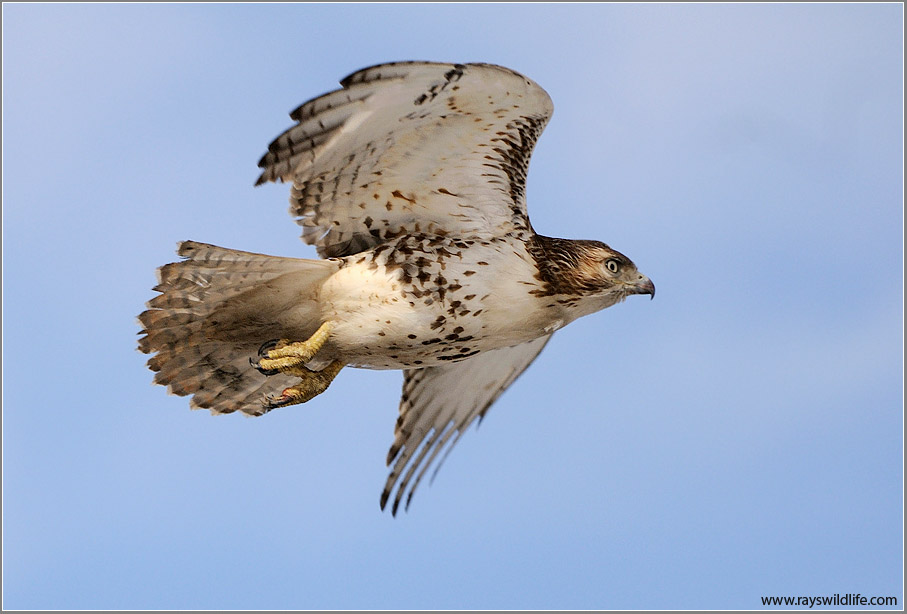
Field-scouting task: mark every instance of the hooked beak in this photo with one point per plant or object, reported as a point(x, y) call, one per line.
point(643, 285)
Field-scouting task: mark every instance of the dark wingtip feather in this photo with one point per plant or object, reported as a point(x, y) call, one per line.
point(392, 453)
point(266, 159)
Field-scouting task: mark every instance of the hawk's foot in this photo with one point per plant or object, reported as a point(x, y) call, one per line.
point(311, 384)
point(280, 356)
point(262, 351)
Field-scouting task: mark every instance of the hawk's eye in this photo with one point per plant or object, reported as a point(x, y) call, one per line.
point(613, 265)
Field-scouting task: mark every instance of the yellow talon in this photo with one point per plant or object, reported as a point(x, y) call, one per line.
point(279, 365)
point(290, 358)
point(288, 355)
point(311, 384)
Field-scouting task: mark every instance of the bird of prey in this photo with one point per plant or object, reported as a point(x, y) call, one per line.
point(410, 181)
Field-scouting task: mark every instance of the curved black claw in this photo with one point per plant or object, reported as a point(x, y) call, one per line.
point(273, 401)
point(263, 353)
point(261, 370)
point(267, 346)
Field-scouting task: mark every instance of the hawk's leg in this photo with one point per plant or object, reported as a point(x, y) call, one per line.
point(290, 358)
point(285, 355)
point(311, 384)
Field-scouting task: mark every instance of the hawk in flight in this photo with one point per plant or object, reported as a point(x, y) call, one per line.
point(410, 181)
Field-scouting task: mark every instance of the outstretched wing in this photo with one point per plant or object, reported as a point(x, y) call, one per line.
point(411, 147)
point(439, 404)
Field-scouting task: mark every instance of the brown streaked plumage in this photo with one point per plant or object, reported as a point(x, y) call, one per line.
point(571, 267)
point(410, 181)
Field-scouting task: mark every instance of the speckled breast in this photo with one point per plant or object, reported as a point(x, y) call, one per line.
point(425, 300)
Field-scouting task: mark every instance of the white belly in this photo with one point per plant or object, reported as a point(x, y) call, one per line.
point(387, 316)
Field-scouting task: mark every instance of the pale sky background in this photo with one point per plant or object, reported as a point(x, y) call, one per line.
point(739, 436)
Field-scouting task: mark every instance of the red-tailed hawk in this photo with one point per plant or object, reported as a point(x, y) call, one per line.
point(410, 181)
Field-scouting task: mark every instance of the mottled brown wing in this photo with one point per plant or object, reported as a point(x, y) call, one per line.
point(411, 147)
point(439, 404)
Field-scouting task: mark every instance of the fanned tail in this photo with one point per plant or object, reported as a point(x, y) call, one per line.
point(214, 310)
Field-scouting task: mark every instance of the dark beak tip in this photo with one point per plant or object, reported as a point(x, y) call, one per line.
point(649, 289)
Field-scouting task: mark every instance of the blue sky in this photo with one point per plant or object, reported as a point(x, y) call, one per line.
point(739, 436)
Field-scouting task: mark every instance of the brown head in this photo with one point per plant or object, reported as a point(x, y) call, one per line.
point(576, 268)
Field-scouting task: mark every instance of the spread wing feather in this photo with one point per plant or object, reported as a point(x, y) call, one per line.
point(411, 147)
point(439, 404)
